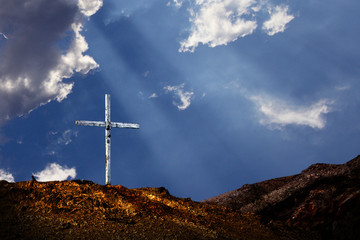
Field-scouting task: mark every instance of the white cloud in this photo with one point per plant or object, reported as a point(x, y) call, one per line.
point(6, 176)
point(119, 9)
point(58, 140)
point(33, 66)
point(154, 95)
point(218, 22)
point(279, 17)
point(342, 87)
point(89, 7)
point(55, 172)
point(184, 97)
point(72, 61)
point(146, 73)
point(3, 35)
point(52, 153)
point(277, 113)
point(66, 137)
point(177, 3)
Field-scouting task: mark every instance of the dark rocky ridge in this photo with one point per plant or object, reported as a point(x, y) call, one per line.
point(324, 198)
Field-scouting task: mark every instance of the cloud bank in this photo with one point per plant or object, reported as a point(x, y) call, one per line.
point(277, 113)
point(42, 48)
point(183, 96)
point(55, 172)
point(4, 175)
point(218, 22)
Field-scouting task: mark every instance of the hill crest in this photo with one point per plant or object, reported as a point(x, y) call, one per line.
point(85, 210)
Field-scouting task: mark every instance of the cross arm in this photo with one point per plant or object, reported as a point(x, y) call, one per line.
point(90, 123)
point(125, 125)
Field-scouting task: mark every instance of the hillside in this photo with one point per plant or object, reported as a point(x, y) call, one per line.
point(324, 198)
point(322, 202)
point(85, 210)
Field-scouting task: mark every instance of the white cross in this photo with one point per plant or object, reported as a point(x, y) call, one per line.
point(108, 125)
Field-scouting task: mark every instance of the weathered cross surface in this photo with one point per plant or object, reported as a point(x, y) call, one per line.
point(108, 125)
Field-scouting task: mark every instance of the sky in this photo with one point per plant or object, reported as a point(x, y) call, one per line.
point(226, 92)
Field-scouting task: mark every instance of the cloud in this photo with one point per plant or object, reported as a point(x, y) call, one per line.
point(277, 113)
point(3, 35)
point(154, 95)
point(177, 3)
point(55, 172)
point(219, 22)
point(279, 17)
point(6, 176)
point(118, 9)
point(89, 7)
point(184, 97)
point(58, 140)
point(36, 58)
point(66, 137)
point(342, 87)
point(146, 74)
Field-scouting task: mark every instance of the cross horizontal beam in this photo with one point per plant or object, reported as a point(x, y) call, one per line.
point(90, 123)
point(103, 124)
point(125, 125)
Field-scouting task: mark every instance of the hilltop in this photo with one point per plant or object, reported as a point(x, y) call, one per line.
point(85, 210)
point(321, 202)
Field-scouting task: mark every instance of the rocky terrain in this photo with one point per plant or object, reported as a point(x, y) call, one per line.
point(322, 202)
point(85, 210)
point(324, 198)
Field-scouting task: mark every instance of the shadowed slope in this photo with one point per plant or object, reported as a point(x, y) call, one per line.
point(324, 197)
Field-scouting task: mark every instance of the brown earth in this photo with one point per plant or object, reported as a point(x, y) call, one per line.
point(85, 210)
point(324, 198)
point(322, 202)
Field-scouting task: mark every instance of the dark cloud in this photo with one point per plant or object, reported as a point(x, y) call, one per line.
point(33, 27)
point(32, 63)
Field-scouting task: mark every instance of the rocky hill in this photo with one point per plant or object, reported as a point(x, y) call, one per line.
point(85, 210)
point(324, 198)
point(322, 202)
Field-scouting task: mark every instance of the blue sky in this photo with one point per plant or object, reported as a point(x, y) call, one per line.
point(227, 92)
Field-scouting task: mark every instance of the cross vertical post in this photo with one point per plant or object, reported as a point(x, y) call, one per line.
point(108, 125)
point(107, 140)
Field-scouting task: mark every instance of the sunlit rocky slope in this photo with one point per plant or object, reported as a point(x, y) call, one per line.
point(322, 202)
point(85, 210)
